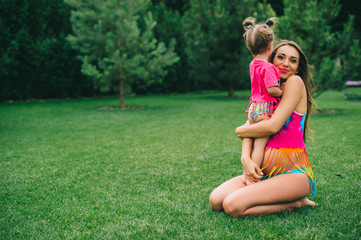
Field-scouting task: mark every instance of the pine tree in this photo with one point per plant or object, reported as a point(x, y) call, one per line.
point(309, 23)
point(116, 43)
point(168, 28)
point(36, 61)
point(216, 50)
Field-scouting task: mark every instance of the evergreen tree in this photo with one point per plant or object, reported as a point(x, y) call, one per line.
point(309, 24)
point(167, 29)
point(174, 5)
point(116, 43)
point(36, 61)
point(216, 50)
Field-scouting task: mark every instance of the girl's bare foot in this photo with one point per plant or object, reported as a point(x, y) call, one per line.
point(249, 182)
point(245, 180)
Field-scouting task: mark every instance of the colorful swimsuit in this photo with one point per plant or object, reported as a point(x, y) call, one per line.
point(286, 146)
point(263, 75)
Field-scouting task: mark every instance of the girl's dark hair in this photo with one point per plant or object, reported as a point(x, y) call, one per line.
point(258, 36)
point(304, 73)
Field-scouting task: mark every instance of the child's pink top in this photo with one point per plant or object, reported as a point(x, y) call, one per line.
point(263, 75)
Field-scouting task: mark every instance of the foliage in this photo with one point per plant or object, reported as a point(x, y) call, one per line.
point(174, 5)
point(309, 24)
point(36, 61)
point(116, 43)
point(70, 171)
point(168, 29)
point(352, 62)
point(215, 47)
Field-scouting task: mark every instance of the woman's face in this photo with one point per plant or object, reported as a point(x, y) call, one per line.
point(286, 61)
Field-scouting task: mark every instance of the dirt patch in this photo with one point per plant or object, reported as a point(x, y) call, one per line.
point(119, 108)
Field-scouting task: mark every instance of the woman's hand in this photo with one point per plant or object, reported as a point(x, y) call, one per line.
point(239, 130)
point(250, 169)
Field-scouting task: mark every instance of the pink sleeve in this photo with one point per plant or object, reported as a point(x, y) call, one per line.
point(270, 76)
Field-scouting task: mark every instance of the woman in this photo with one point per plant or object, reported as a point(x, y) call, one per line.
point(286, 176)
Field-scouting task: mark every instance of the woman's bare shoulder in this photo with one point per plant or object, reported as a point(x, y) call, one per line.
point(295, 92)
point(294, 79)
point(294, 82)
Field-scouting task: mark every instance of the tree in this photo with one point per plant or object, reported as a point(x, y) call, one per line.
point(116, 43)
point(174, 5)
point(310, 24)
point(169, 28)
point(216, 50)
point(36, 61)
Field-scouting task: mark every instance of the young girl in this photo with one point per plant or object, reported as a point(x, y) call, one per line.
point(265, 88)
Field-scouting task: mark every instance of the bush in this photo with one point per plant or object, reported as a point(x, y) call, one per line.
point(36, 60)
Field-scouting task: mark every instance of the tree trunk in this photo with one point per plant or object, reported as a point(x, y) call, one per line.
point(230, 91)
point(121, 92)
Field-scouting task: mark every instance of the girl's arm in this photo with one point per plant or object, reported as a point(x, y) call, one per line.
point(275, 91)
point(291, 96)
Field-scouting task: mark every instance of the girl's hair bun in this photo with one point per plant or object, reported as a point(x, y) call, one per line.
point(271, 22)
point(250, 21)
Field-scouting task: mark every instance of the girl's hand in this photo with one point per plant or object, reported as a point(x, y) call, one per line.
point(252, 172)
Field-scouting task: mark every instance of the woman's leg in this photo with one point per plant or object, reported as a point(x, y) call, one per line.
point(218, 195)
point(282, 192)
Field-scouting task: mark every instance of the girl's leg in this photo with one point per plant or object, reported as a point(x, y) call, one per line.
point(218, 195)
point(256, 153)
point(258, 150)
point(247, 148)
point(259, 145)
point(282, 192)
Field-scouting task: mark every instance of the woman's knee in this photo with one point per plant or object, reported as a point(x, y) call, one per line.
point(233, 207)
point(215, 201)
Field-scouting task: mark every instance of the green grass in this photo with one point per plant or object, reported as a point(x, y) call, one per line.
point(71, 171)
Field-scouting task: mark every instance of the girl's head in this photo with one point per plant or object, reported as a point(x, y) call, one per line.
point(258, 37)
point(289, 60)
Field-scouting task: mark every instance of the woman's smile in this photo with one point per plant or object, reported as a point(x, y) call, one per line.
point(283, 70)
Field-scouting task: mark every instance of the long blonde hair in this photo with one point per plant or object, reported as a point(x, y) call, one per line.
point(304, 73)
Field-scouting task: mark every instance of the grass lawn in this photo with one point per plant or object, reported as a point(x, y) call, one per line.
point(71, 171)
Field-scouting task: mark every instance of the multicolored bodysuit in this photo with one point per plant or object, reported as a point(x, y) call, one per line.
point(287, 147)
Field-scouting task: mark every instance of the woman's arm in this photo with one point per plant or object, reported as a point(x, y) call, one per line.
point(292, 93)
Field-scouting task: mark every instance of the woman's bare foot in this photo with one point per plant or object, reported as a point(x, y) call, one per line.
point(305, 202)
